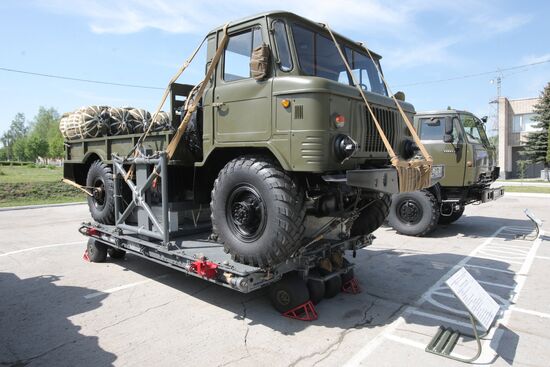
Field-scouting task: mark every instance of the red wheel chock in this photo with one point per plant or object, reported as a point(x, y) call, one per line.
point(304, 312)
point(85, 257)
point(351, 286)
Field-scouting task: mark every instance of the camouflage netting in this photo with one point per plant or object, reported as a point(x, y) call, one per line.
point(97, 121)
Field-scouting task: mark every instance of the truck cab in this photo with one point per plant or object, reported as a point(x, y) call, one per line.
point(457, 140)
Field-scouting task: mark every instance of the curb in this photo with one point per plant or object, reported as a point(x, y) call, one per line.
point(526, 194)
point(39, 206)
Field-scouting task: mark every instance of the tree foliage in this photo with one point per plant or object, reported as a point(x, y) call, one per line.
point(537, 145)
point(40, 138)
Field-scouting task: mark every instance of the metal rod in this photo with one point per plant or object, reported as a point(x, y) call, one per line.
point(140, 230)
point(164, 198)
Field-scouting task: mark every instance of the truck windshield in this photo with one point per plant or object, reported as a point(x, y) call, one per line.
point(318, 56)
point(475, 133)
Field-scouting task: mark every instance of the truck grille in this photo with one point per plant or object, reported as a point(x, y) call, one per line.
point(389, 121)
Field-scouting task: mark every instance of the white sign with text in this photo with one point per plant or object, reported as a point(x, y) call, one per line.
point(480, 304)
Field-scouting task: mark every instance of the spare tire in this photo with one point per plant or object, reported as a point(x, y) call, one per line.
point(102, 203)
point(257, 211)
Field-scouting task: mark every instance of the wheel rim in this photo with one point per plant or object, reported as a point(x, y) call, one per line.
point(283, 297)
point(246, 213)
point(99, 193)
point(409, 211)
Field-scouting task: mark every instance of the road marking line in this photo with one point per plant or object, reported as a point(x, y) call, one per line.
point(531, 312)
point(122, 287)
point(497, 284)
point(542, 257)
point(496, 333)
point(491, 269)
point(40, 247)
point(415, 344)
point(497, 258)
point(517, 252)
point(442, 318)
point(368, 348)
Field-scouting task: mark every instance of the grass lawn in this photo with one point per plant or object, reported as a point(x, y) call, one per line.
point(536, 180)
point(529, 189)
point(28, 185)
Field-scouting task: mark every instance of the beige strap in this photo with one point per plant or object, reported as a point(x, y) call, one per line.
point(389, 148)
point(416, 139)
point(170, 150)
point(74, 184)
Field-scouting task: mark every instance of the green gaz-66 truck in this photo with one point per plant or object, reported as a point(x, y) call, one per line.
point(280, 145)
point(456, 140)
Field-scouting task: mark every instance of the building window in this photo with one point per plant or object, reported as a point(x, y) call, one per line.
point(524, 123)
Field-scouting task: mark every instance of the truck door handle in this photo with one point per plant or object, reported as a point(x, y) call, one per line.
point(218, 104)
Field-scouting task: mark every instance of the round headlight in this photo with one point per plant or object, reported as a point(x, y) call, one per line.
point(410, 149)
point(344, 147)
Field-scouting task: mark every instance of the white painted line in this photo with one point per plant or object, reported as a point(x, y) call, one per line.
point(40, 247)
point(531, 312)
point(442, 318)
point(518, 252)
point(415, 344)
point(542, 257)
point(497, 284)
point(491, 269)
point(368, 348)
point(498, 258)
point(122, 287)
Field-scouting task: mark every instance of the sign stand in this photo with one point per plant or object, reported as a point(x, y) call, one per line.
point(536, 222)
point(481, 308)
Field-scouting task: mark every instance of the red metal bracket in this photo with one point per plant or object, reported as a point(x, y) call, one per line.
point(351, 286)
point(304, 312)
point(85, 257)
point(205, 268)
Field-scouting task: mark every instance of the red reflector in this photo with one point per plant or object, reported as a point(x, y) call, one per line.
point(90, 231)
point(205, 268)
point(340, 121)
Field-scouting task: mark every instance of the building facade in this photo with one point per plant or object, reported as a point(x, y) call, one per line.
point(514, 124)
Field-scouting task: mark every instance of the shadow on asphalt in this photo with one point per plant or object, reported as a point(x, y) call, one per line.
point(35, 325)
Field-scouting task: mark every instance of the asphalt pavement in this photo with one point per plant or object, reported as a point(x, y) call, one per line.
point(58, 310)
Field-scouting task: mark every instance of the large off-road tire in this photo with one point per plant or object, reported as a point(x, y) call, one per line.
point(289, 293)
point(414, 213)
point(116, 253)
point(97, 251)
point(102, 203)
point(257, 211)
point(448, 219)
point(372, 217)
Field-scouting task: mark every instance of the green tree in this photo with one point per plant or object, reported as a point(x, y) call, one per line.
point(17, 130)
point(19, 149)
point(46, 126)
point(36, 146)
point(537, 146)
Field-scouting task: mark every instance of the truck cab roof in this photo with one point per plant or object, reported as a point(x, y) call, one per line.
point(442, 112)
point(289, 15)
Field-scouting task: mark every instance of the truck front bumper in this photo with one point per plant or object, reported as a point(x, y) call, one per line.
point(379, 179)
point(491, 194)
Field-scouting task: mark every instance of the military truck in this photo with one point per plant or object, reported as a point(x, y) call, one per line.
point(281, 150)
point(458, 143)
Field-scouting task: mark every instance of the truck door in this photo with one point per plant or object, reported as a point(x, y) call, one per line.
point(242, 105)
point(452, 155)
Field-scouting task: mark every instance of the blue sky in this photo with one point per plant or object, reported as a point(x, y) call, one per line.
point(145, 41)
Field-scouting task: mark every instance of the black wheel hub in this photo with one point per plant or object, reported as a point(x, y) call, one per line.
point(409, 211)
point(283, 297)
point(98, 193)
point(246, 213)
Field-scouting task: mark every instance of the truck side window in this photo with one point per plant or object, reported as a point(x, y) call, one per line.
point(281, 42)
point(237, 54)
point(432, 128)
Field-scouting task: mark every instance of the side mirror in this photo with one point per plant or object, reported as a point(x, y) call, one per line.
point(259, 62)
point(484, 119)
point(400, 96)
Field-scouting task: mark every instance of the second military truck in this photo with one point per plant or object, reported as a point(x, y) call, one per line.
point(459, 145)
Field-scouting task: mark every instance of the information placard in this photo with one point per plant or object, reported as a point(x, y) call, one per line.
point(481, 305)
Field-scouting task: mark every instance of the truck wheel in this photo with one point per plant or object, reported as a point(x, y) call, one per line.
point(414, 213)
point(288, 293)
point(333, 286)
point(372, 217)
point(448, 219)
point(102, 203)
point(115, 253)
point(258, 211)
point(97, 251)
point(315, 287)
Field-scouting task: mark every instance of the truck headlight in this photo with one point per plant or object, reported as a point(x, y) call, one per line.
point(438, 172)
point(344, 147)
